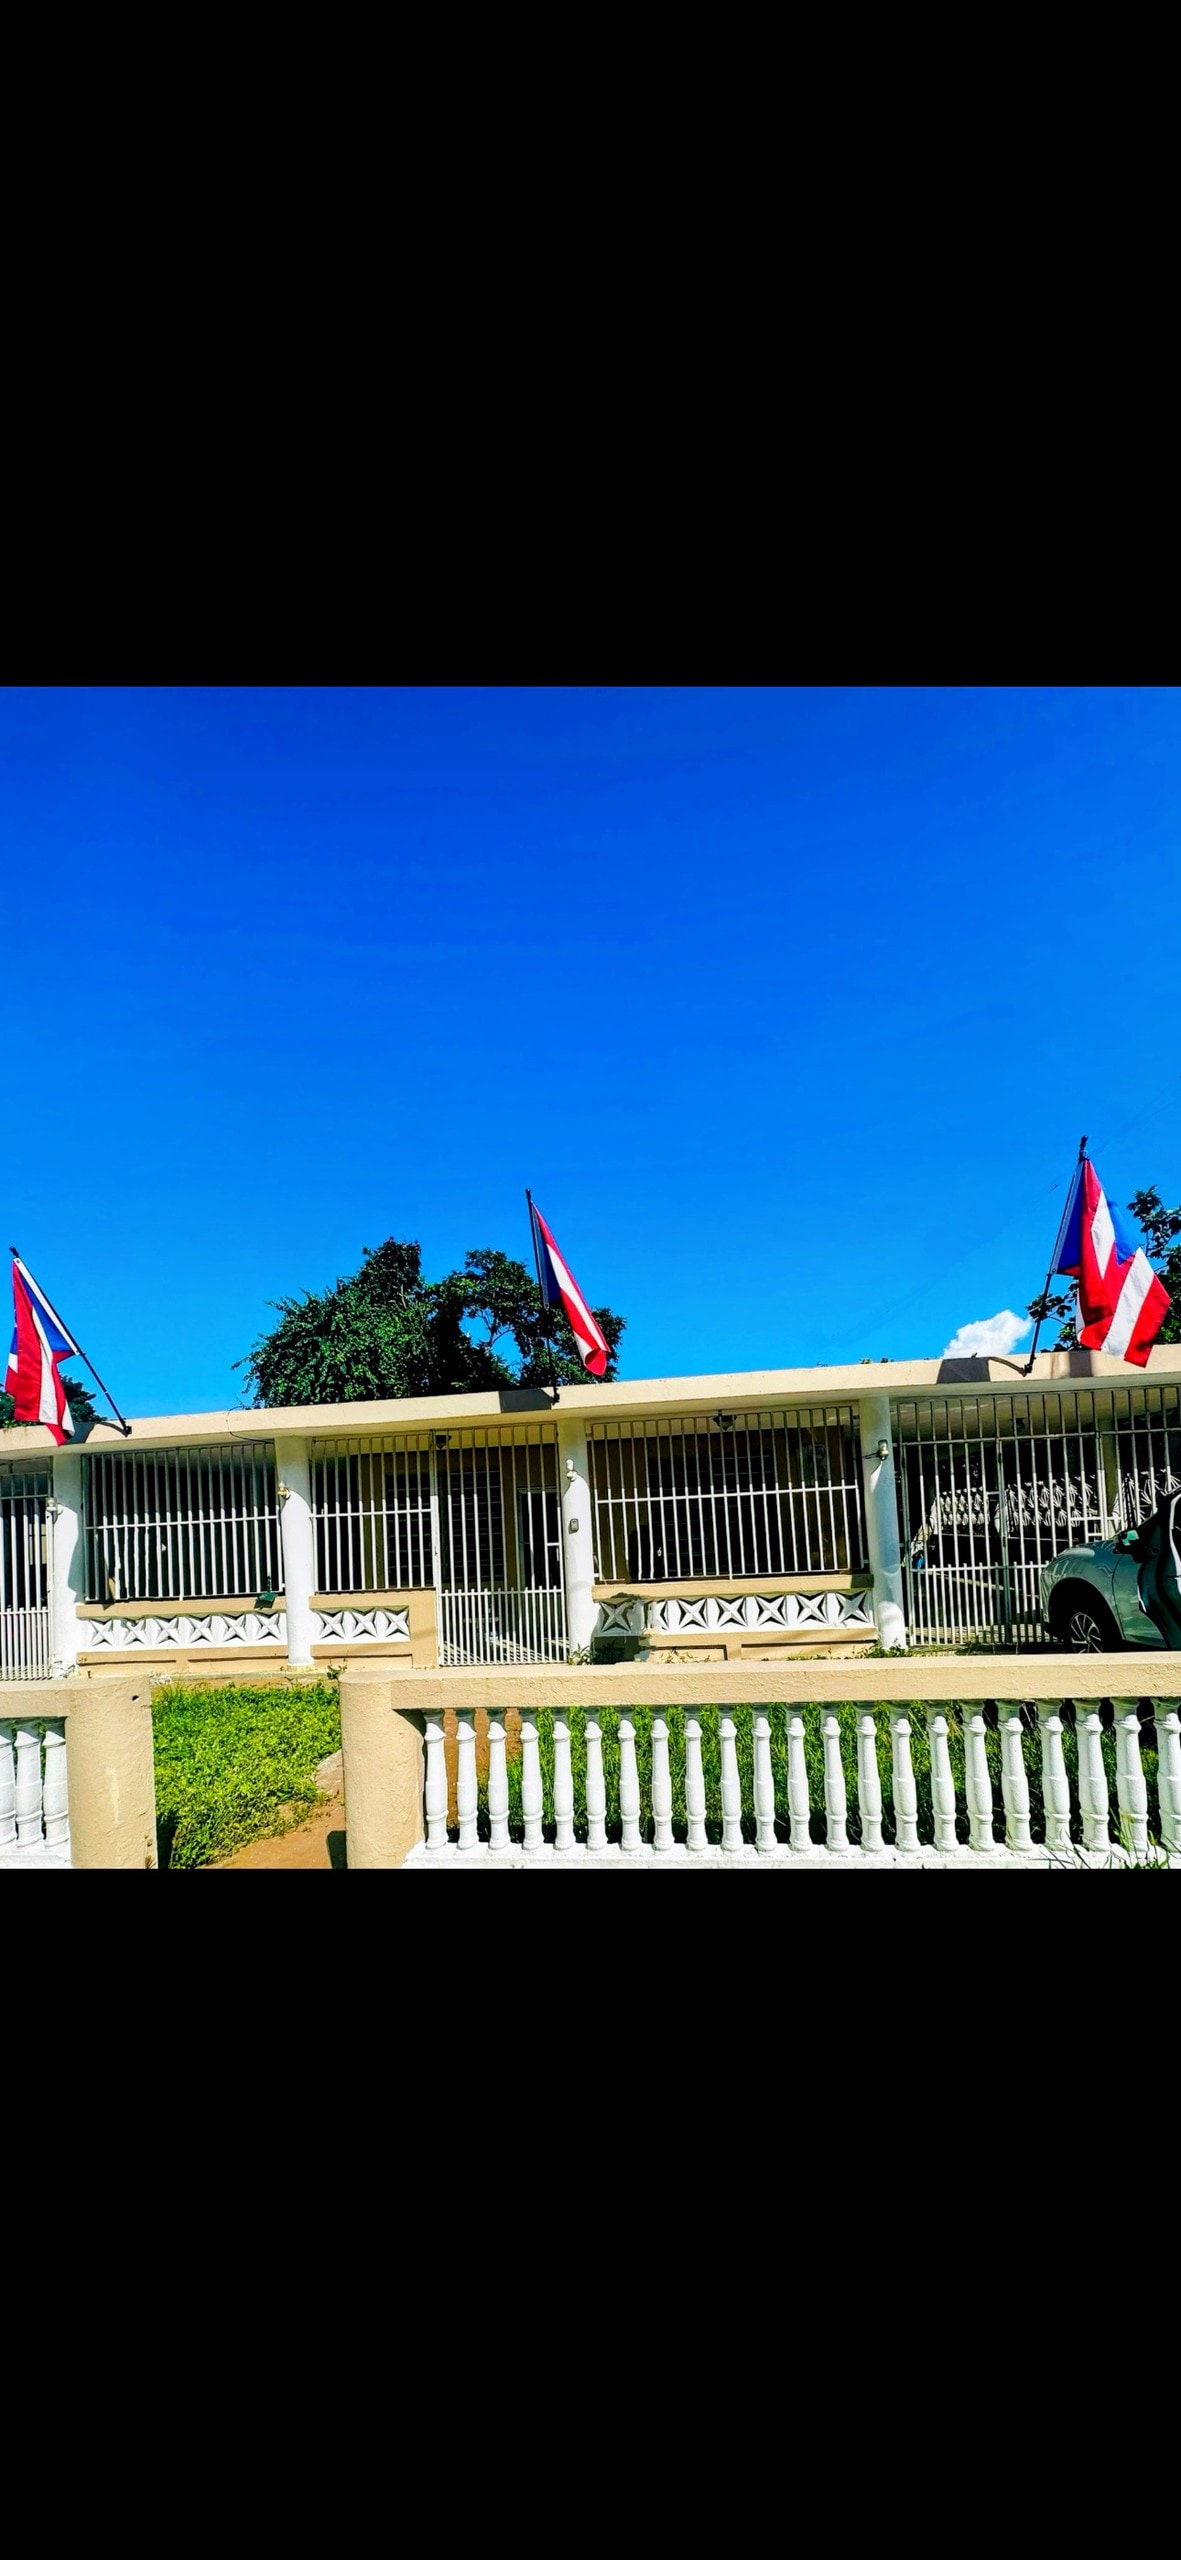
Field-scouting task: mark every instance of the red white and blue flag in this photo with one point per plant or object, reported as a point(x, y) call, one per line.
point(40, 1341)
point(559, 1288)
point(1121, 1303)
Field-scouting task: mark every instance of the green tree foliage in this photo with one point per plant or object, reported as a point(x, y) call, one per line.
point(1160, 1228)
point(385, 1331)
point(79, 1399)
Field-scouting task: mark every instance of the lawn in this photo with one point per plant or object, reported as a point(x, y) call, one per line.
point(237, 1763)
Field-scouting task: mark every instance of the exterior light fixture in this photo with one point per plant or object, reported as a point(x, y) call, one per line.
point(724, 1421)
point(883, 1448)
point(442, 1439)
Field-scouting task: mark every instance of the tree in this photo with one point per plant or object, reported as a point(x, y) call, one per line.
point(78, 1398)
point(1160, 1228)
point(384, 1331)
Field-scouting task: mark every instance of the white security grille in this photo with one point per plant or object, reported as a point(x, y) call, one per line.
point(501, 1585)
point(991, 1487)
point(752, 1493)
point(371, 1500)
point(181, 1524)
point(25, 1642)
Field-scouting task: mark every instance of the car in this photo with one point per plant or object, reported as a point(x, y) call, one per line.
point(1124, 1590)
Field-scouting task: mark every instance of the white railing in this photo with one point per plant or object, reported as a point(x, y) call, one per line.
point(34, 1795)
point(181, 1524)
point(987, 1604)
point(25, 1641)
point(761, 1493)
point(25, 1644)
point(502, 1626)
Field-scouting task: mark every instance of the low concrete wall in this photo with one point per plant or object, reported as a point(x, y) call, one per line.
point(109, 1764)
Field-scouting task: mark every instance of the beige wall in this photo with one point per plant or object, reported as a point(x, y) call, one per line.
point(109, 1765)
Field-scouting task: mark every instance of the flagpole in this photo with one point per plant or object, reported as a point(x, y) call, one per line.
point(541, 1294)
point(1082, 1149)
point(125, 1427)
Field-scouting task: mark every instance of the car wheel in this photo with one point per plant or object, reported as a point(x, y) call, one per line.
point(1084, 1625)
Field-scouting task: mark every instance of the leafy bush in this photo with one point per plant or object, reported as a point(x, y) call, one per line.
point(237, 1764)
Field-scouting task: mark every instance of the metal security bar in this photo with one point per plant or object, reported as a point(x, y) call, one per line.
point(25, 1641)
point(766, 1493)
point(181, 1524)
point(990, 1488)
point(502, 1594)
point(371, 1500)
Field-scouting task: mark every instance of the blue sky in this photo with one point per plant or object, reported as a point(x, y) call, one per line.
point(790, 1005)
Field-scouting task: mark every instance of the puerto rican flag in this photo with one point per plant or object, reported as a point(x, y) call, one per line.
point(1121, 1303)
point(559, 1288)
point(39, 1341)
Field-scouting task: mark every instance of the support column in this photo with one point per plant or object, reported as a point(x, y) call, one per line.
point(67, 1578)
point(299, 1547)
point(578, 1544)
point(881, 1520)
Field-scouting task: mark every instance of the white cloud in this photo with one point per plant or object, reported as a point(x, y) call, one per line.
point(997, 1333)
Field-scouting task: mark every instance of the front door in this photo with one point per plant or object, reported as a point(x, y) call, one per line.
point(501, 1591)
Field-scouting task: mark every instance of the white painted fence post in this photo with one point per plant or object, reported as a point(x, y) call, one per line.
point(435, 1791)
point(293, 1472)
point(1094, 1801)
point(56, 1798)
point(563, 1781)
point(1055, 1783)
point(731, 1781)
point(7, 1786)
point(465, 1775)
point(596, 1786)
point(799, 1802)
point(1168, 1775)
point(578, 1544)
point(1014, 1777)
point(1130, 1782)
point(977, 1782)
point(629, 1783)
point(881, 1520)
point(869, 1779)
point(942, 1781)
point(694, 1781)
point(906, 1803)
point(764, 1782)
point(68, 1574)
point(28, 1785)
point(662, 1788)
point(498, 1832)
point(835, 1797)
point(532, 1797)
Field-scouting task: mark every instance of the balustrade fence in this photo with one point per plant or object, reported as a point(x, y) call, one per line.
point(34, 1797)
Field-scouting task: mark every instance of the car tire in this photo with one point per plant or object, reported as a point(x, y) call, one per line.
point(1080, 1623)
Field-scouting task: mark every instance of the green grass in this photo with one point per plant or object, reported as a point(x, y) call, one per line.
point(237, 1764)
point(813, 1754)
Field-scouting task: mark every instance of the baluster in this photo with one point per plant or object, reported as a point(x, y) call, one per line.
point(731, 1782)
point(662, 1785)
point(764, 1782)
point(28, 1786)
point(497, 1782)
point(563, 1782)
point(942, 1781)
point(977, 1782)
point(869, 1779)
point(56, 1799)
point(1094, 1801)
point(1168, 1775)
point(465, 1775)
point(532, 1800)
point(7, 1787)
point(436, 1781)
point(629, 1783)
point(799, 1802)
point(906, 1803)
point(835, 1801)
point(596, 1785)
point(1130, 1783)
point(1014, 1780)
point(694, 1781)
point(1055, 1783)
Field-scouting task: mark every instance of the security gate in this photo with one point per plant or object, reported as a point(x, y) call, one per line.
point(26, 1649)
point(501, 1585)
point(991, 1487)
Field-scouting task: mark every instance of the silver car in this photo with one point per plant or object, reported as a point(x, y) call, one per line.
point(1122, 1591)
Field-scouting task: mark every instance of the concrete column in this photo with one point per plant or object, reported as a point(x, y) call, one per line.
point(881, 1520)
point(112, 1781)
point(578, 1544)
point(383, 1771)
point(67, 1580)
point(299, 1547)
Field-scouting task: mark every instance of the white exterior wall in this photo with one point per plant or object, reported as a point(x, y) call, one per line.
point(578, 1545)
point(67, 1563)
point(293, 1473)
